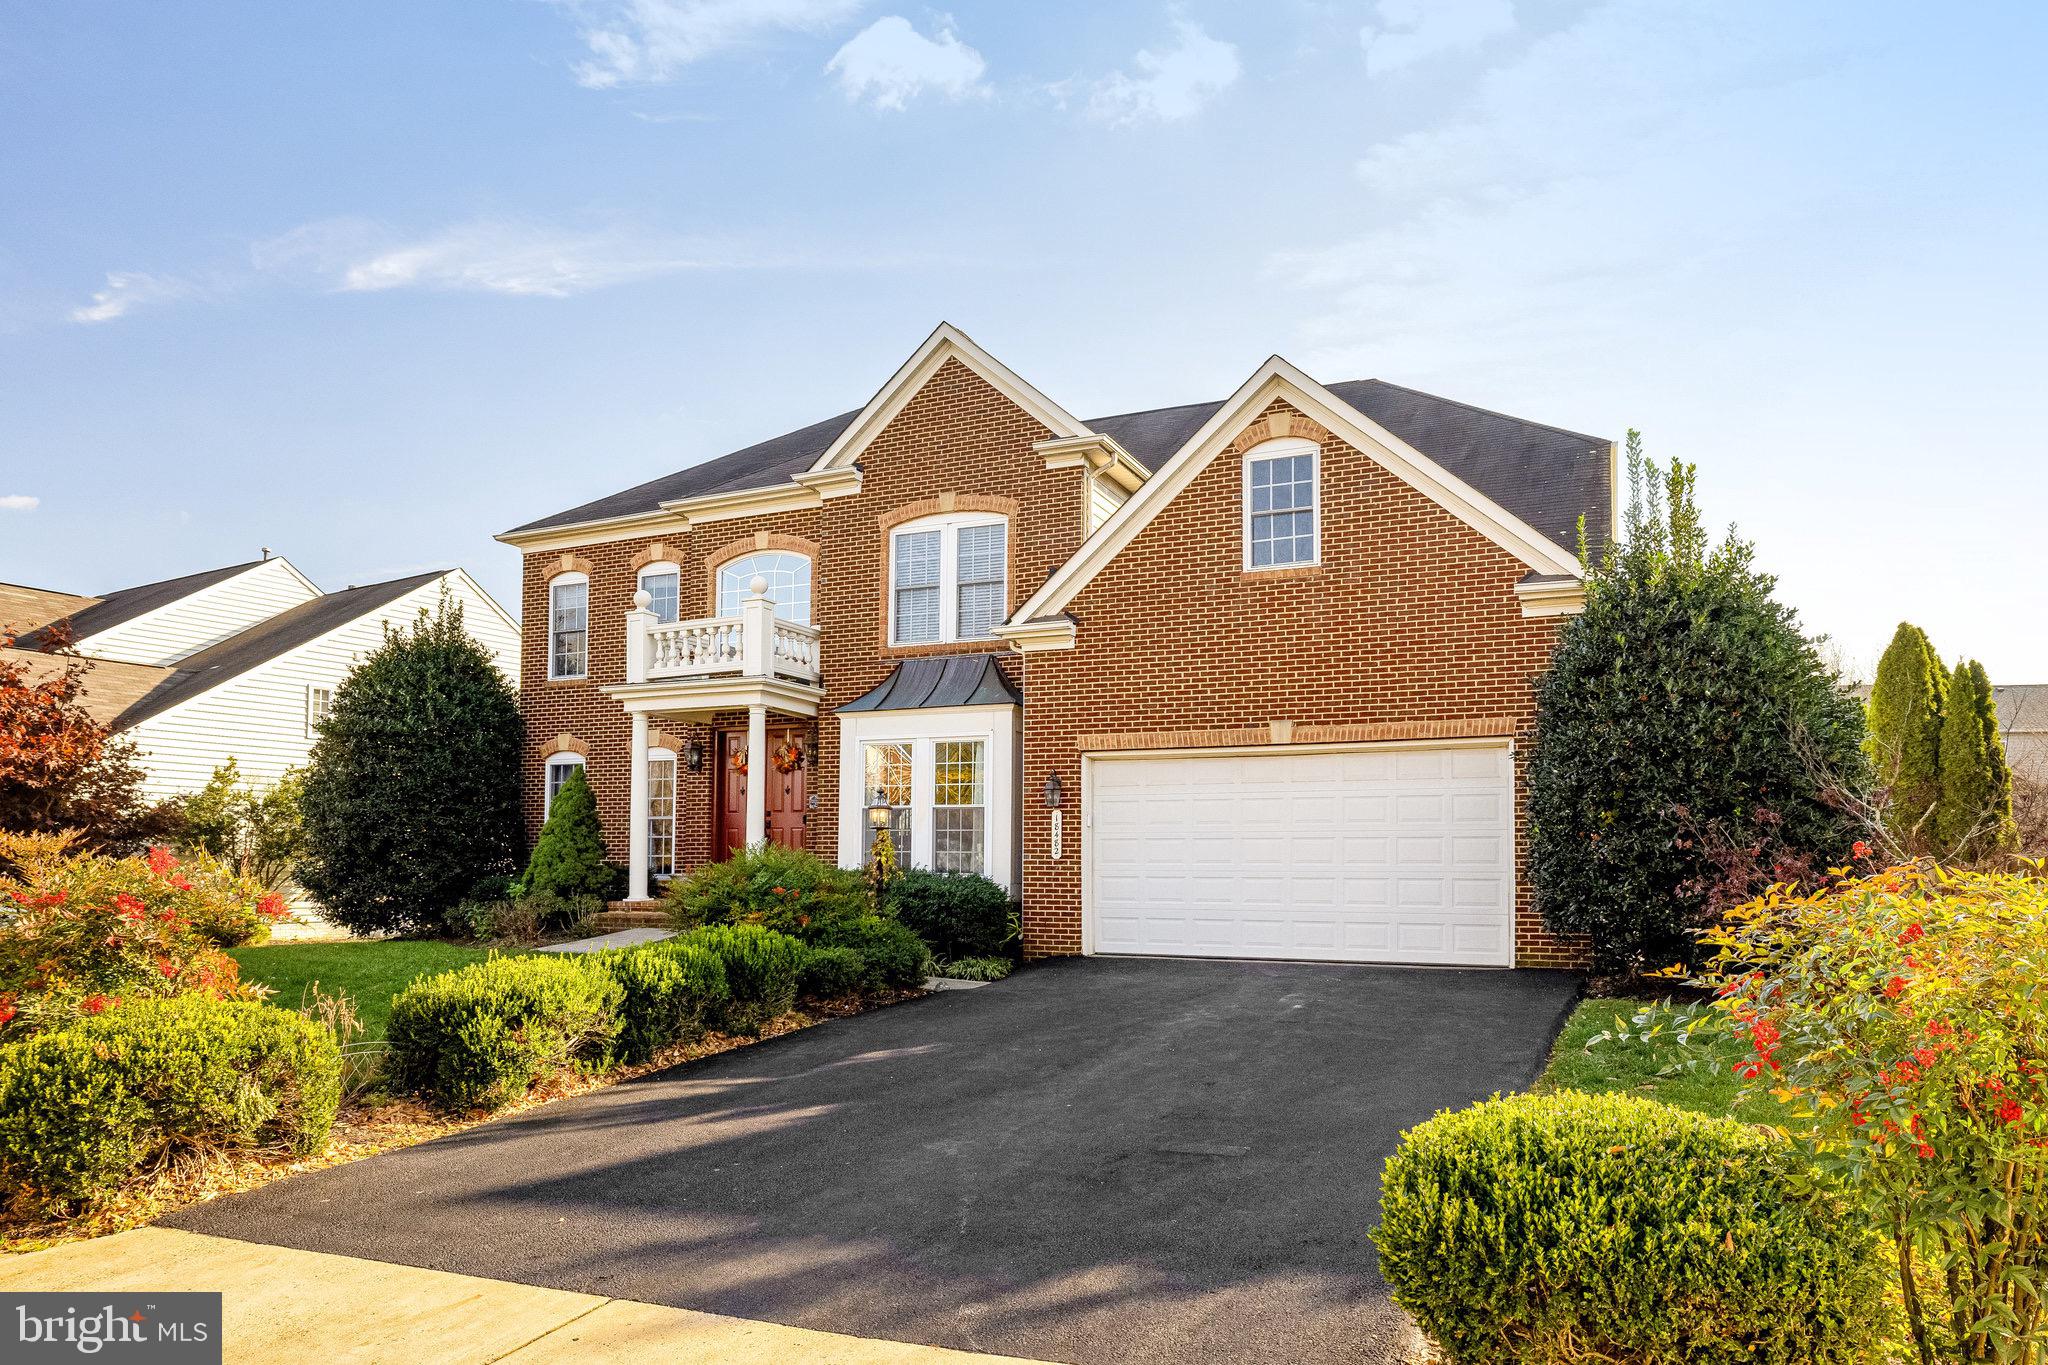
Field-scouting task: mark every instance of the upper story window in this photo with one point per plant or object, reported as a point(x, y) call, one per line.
point(1280, 510)
point(663, 584)
point(569, 626)
point(789, 583)
point(949, 578)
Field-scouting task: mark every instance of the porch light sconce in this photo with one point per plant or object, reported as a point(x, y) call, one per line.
point(693, 756)
point(1052, 791)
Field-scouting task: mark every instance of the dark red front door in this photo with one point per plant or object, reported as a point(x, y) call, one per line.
point(788, 796)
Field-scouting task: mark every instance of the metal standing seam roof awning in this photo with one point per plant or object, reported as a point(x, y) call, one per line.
point(929, 684)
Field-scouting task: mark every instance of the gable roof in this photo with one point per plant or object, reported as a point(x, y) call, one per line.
point(125, 604)
point(23, 608)
point(1278, 379)
point(1547, 476)
point(111, 685)
point(266, 640)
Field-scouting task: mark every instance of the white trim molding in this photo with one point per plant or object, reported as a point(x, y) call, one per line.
point(1280, 379)
point(1100, 454)
point(1036, 637)
point(1551, 596)
point(946, 342)
point(576, 534)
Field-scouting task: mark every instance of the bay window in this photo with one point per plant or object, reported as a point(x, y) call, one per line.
point(959, 806)
point(887, 781)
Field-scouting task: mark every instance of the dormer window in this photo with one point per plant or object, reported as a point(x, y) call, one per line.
point(1280, 521)
point(949, 578)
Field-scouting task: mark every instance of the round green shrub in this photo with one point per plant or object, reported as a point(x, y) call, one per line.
point(957, 914)
point(893, 957)
point(830, 973)
point(670, 988)
point(784, 889)
point(480, 1036)
point(1577, 1227)
point(761, 969)
point(83, 1107)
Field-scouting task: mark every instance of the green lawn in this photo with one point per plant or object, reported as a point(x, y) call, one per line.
point(1696, 1075)
point(370, 972)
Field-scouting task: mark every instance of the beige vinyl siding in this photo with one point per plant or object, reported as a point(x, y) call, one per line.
point(204, 618)
point(259, 718)
point(1104, 497)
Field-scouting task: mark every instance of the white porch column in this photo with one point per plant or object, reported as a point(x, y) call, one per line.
point(638, 619)
point(757, 630)
point(758, 768)
point(636, 838)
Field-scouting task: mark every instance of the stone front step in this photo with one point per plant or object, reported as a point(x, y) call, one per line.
point(630, 915)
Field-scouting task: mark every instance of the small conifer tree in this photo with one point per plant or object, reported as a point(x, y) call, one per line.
point(568, 858)
point(1906, 706)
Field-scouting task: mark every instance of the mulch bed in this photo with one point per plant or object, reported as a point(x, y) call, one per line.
point(366, 1127)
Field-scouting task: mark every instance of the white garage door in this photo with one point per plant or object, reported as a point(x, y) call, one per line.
point(1369, 855)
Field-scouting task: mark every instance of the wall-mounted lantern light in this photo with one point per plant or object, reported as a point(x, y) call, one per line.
point(1052, 791)
point(1052, 803)
point(693, 756)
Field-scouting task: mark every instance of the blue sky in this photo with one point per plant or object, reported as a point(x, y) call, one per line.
point(366, 283)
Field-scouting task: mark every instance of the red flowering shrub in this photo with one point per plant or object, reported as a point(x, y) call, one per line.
point(81, 933)
point(1902, 1019)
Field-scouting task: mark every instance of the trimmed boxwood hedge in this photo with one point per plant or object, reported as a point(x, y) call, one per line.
point(957, 914)
point(1606, 1227)
point(480, 1036)
point(85, 1106)
point(670, 987)
point(761, 969)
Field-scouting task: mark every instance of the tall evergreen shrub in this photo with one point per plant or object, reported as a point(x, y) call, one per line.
point(568, 858)
point(1973, 816)
point(1691, 745)
point(1906, 707)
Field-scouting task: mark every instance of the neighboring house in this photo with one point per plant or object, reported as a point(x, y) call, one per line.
point(239, 662)
point(2023, 721)
point(1241, 678)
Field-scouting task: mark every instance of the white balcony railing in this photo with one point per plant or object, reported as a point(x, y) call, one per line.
point(754, 644)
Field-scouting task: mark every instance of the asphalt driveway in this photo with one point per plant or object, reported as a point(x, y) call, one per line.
point(1095, 1161)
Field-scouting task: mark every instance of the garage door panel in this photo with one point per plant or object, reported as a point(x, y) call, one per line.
point(1391, 855)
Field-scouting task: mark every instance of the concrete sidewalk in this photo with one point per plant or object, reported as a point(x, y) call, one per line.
point(282, 1305)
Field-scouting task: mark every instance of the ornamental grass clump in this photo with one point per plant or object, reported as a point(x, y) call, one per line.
point(1902, 1020)
point(1545, 1229)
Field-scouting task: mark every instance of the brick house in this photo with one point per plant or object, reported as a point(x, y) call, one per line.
point(1240, 678)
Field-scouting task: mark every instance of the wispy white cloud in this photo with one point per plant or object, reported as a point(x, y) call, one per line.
point(889, 62)
point(1169, 83)
point(130, 289)
point(19, 502)
point(1411, 31)
point(646, 42)
point(492, 257)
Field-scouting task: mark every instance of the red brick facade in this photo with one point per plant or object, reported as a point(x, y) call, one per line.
point(1408, 628)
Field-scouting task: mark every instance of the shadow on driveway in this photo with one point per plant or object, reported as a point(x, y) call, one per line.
point(1096, 1161)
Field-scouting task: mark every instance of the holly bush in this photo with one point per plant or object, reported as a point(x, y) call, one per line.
point(1902, 1019)
point(1691, 744)
point(79, 933)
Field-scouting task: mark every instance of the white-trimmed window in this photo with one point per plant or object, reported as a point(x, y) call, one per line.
point(569, 626)
point(887, 770)
point(959, 805)
point(661, 813)
point(949, 578)
point(663, 584)
point(319, 705)
point(559, 768)
point(1280, 512)
point(789, 583)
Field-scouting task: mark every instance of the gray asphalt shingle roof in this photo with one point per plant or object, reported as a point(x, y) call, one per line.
point(266, 640)
point(125, 604)
point(1545, 475)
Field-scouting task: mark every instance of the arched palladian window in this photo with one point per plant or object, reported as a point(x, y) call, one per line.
point(789, 583)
